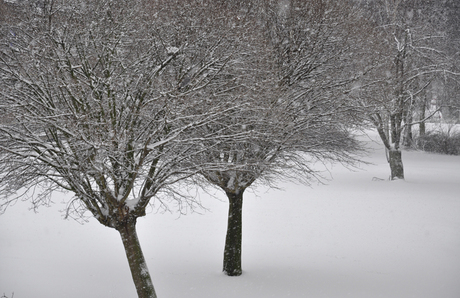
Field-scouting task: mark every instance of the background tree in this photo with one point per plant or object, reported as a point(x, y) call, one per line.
point(94, 102)
point(296, 112)
point(408, 57)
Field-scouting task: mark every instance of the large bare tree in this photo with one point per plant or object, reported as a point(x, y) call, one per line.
point(297, 112)
point(104, 99)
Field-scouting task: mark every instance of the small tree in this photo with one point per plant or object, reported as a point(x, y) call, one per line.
point(93, 102)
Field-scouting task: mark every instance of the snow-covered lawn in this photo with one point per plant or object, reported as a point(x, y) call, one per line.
point(356, 237)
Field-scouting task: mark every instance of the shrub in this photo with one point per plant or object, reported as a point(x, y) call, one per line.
point(445, 142)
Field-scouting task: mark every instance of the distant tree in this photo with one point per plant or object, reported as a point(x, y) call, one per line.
point(297, 112)
point(104, 99)
point(408, 56)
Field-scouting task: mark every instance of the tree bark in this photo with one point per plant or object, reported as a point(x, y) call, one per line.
point(408, 136)
point(136, 260)
point(422, 127)
point(233, 241)
point(396, 165)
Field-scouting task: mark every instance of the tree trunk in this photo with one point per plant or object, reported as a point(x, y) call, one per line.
point(233, 241)
point(396, 165)
point(394, 129)
point(136, 260)
point(408, 136)
point(422, 127)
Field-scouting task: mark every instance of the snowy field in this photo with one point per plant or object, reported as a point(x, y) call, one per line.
point(356, 237)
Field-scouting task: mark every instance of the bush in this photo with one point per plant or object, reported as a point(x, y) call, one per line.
point(440, 142)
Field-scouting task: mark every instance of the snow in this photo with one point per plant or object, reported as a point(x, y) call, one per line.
point(172, 50)
point(358, 236)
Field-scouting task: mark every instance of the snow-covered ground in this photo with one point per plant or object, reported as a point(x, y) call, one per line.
point(356, 237)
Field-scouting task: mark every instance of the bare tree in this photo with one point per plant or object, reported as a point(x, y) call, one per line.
point(104, 100)
point(296, 112)
point(407, 50)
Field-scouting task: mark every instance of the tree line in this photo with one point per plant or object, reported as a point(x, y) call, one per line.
point(125, 104)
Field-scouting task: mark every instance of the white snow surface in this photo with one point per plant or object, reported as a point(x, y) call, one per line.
point(356, 236)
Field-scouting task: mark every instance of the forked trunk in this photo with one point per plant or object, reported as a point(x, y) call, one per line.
point(136, 260)
point(396, 165)
point(233, 241)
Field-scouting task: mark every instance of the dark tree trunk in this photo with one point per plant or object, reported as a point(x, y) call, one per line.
point(408, 136)
point(396, 165)
point(394, 128)
point(408, 119)
point(422, 127)
point(136, 260)
point(233, 241)
point(394, 153)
